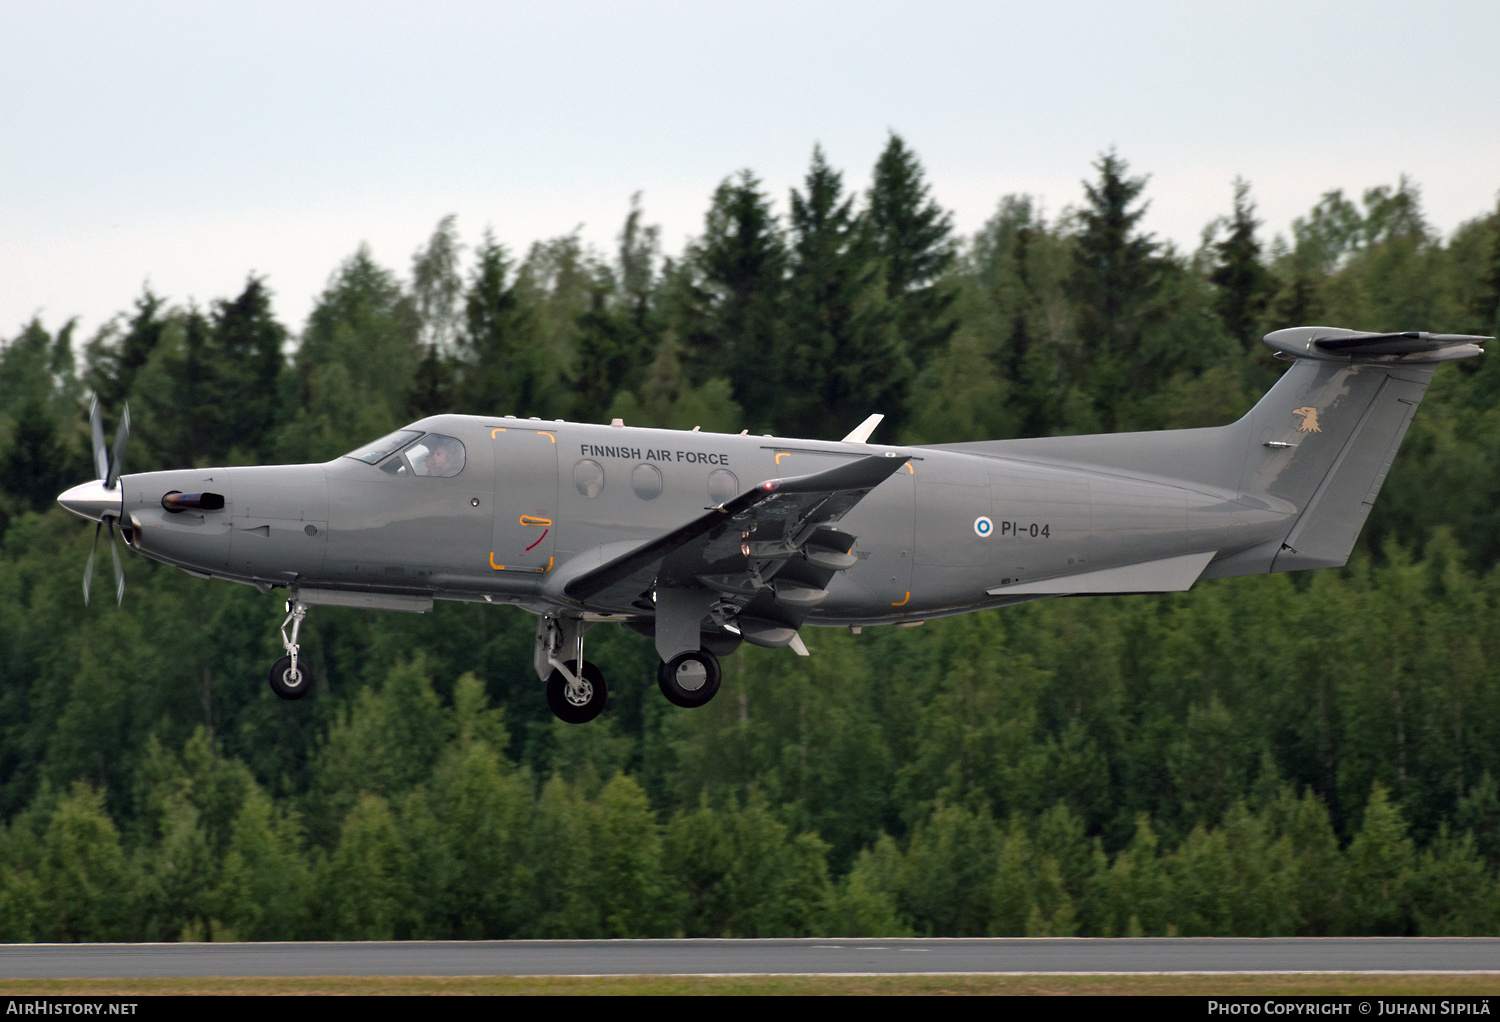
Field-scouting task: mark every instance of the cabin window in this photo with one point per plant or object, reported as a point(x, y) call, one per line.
point(588, 476)
point(722, 484)
point(646, 481)
point(439, 456)
point(372, 453)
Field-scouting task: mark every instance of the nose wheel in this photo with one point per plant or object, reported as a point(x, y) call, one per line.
point(575, 695)
point(579, 699)
point(690, 679)
point(289, 678)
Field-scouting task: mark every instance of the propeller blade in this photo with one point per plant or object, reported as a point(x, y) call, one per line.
point(101, 459)
point(114, 551)
point(88, 569)
point(117, 463)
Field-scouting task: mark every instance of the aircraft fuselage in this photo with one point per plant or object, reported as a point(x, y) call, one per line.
point(537, 503)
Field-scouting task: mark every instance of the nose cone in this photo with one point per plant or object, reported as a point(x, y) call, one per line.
point(93, 501)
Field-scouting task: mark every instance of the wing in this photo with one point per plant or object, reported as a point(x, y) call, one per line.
point(738, 547)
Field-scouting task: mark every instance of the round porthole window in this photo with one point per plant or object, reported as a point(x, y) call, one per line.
point(588, 476)
point(646, 481)
point(722, 484)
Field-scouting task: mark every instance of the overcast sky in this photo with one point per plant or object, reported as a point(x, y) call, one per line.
point(192, 144)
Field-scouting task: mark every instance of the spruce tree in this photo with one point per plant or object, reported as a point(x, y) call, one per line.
point(843, 358)
point(740, 263)
point(115, 360)
point(616, 336)
point(243, 396)
point(1116, 277)
point(605, 361)
point(493, 335)
point(1486, 303)
point(913, 236)
point(1238, 273)
point(436, 287)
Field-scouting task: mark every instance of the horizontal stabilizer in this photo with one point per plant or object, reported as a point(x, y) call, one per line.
point(1408, 347)
point(1168, 575)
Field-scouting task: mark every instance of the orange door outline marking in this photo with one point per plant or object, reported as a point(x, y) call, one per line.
point(783, 454)
point(539, 571)
point(905, 601)
point(540, 432)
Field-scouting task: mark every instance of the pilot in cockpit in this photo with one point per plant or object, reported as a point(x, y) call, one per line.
point(438, 456)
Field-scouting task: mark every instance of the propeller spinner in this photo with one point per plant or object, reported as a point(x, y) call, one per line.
point(102, 499)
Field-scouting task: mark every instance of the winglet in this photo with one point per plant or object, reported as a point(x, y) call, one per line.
point(861, 433)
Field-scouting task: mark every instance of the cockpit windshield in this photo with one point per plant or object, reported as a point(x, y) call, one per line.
point(372, 453)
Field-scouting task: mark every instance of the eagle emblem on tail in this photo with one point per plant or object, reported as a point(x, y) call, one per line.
point(1309, 416)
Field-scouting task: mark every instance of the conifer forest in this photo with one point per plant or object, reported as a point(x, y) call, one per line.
point(1303, 754)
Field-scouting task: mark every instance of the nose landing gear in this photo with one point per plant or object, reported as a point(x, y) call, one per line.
point(576, 696)
point(289, 678)
point(576, 692)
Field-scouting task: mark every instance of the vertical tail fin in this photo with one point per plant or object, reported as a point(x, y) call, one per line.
point(1362, 390)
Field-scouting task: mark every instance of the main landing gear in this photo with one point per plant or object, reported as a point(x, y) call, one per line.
point(576, 692)
point(289, 678)
point(690, 679)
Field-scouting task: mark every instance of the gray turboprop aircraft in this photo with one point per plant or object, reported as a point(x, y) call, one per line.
point(703, 540)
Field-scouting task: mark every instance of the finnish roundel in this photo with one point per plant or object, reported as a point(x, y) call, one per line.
point(983, 526)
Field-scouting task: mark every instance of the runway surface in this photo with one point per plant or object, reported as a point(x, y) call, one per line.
point(710, 957)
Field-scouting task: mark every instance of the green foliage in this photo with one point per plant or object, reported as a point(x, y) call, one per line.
point(1115, 284)
point(913, 238)
point(729, 300)
point(1268, 755)
point(843, 354)
point(1239, 272)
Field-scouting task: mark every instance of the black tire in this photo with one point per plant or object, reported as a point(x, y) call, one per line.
point(596, 694)
point(690, 679)
point(287, 685)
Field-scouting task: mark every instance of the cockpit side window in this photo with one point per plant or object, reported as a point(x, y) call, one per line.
point(437, 455)
point(370, 454)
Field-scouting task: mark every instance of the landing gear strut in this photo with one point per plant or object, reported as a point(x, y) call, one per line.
point(576, 692)
point(289, 678)
point(690, 679)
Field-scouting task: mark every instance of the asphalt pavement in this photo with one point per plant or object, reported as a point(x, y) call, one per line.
point(754, 957)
